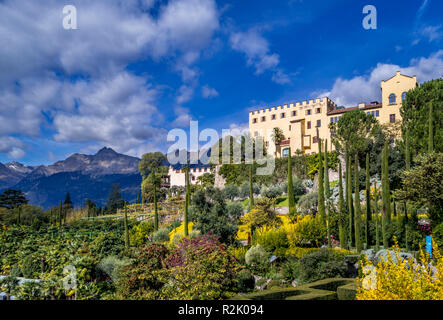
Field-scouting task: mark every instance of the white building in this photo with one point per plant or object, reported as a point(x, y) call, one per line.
point(177, 175)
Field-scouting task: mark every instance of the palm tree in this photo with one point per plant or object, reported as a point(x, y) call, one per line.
point(277, 136)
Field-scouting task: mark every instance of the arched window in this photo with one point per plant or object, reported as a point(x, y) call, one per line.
point(392, 99)
point(403, 96)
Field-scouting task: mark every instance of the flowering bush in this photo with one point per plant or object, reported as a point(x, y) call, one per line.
point(425, 226)
point(308, 229)
point(271, 239)
point(394, 279)
point(142, 278)
point(199, 268)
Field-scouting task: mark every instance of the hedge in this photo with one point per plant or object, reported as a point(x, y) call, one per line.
point(347, 292)
point(327, 289)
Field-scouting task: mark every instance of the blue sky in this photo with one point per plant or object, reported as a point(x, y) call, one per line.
point(135, 69)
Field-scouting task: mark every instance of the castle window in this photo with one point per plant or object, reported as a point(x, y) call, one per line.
point(332, 120)
point(285, 152)
point(294, 113)
point(315, 139)
point(377, 113)
point(318, 110)
point(309, 125)
point(392, 99)
point(254, 120)
point(273, 117)
point(263, 119)
point(318, 123)
point(403, 96)
point(308, 112)
point(282, 115)
point(392, 118)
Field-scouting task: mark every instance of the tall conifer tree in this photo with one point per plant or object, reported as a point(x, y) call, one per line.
point(321, 187)
point(357, 210)
point(291, 199)
point(341, 209)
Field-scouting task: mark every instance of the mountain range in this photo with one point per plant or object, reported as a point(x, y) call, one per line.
point(83, 176)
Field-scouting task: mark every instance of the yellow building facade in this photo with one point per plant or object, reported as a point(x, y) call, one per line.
point(303, 123)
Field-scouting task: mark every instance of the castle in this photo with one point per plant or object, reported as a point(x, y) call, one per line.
point(303, 123)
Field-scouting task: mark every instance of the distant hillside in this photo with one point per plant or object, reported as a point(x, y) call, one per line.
point(47, 191)
point(84, 176)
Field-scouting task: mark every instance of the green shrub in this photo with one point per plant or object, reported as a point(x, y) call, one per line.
point(437, 235)
point(290, 269)
point(239, 253)
point(347, 292)
point(111, 265)
point(271, 240)
point(162, 235)
point(276, 283)
point(107, 244)
point(194, 234)
point(308, 230)
point(230, 191)
point(31, 267)
point(308, 203)
point(321, 264)
point(271, 192)
point(245, 281)
point(257, 259)
point(138, 235)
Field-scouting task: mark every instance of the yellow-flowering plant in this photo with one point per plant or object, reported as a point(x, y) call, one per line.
point(397, 279)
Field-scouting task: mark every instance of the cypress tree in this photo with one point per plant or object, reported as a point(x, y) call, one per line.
point(321, 191)
point(408, 167)
point(60, 213)
point(349, 200)
point(126, 229)
point(386, 202)
point(19, 209)
point(327, 192)
point(326, 177)
point(407, 151)
point(155, 207)
point(251, 190)
point(377, 229)
point(186, 200)
point(341, 209)
point(357, 211)
point(368, 202)
point(431, 128)
point(291, 199)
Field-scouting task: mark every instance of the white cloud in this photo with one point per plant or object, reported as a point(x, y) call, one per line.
point(116, 111)
point(74, 82)
point(257, 52)
point(432, 32)
point(350, 92)
point(12, 147)
point(208, 92)
point(110, 34)
point(185, 94)
point(182, 117)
